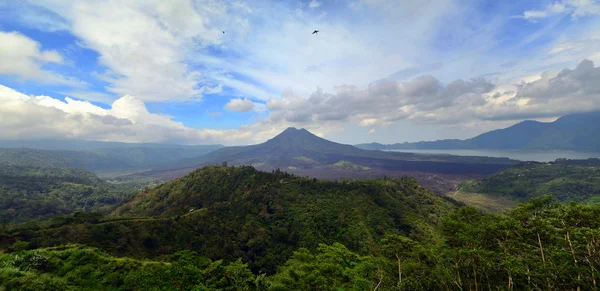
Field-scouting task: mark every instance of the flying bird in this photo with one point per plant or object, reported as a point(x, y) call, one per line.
point(223, 31)
point(315, 32)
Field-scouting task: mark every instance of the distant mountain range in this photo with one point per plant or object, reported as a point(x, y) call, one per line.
point(577, 132)
point(100, 157)
point(301, 152)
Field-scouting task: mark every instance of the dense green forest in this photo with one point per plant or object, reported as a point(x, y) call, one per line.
point(566, 180)
point(537, 246)
point(239, 212)
point(236, 228)
point(34, 192)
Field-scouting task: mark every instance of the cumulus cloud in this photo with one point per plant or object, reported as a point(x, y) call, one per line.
point(145, 44)
point(128, 120)
point(240, 105)
point(427, 100)
point(22, 56)
point(381, 103)
point(423, 100)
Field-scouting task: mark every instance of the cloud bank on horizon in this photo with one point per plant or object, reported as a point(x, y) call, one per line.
point(156, 71)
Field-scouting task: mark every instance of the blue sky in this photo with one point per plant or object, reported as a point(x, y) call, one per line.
point(379, 70)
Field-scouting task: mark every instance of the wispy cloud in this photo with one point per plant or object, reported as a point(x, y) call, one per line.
point(574, 8)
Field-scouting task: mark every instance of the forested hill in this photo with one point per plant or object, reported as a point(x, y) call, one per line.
point(537, 246)
point(231, 212)
point(577, 132)
point(28, 192)
point(566, 180)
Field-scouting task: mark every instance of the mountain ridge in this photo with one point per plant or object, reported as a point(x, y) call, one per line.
point(570, 132)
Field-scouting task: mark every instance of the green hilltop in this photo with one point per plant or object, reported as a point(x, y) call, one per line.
point(33, 192)
point(239, 212)
point(565, 180)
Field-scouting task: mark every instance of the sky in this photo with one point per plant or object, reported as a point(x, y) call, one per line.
point(240, 72)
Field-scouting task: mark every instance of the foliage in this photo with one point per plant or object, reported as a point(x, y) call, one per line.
point(333, 267)
point(28, 192)
point(239, 212)
point(564, 179)
point(77, 267)
point(235, 228)
point(537, 246)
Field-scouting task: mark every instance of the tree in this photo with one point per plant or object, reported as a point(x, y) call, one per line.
point(400, 248)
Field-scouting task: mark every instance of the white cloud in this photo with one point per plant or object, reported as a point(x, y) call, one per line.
point(550, 9)
point(241, 105)
point(426, 100)
point(314, 4)
point(23, 57)
point(128, 120)
point(145, 44)
point(160, 50)
point(575, 8)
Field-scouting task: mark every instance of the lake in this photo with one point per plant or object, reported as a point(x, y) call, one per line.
point(521, 155)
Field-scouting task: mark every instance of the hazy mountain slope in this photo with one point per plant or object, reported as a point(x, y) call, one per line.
point(28, 192)
point(103, 160)
point(570, 132)
point(31, 157)
point(231, 212)
point(565, 180)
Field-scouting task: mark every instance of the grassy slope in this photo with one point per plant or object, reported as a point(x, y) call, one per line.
point(350, 166)
point(491, 203)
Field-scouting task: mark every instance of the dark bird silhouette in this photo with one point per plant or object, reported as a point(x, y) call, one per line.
point(223, 31)
point(315, 32)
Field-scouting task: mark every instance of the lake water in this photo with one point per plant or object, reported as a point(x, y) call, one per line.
point(521, 155)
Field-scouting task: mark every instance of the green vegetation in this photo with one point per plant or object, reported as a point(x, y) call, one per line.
point(350, 166)
point(566, 180)
point(537, 246)
point(236, 228)
point(239, 212)
point(28, 192)
point(77, 267)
